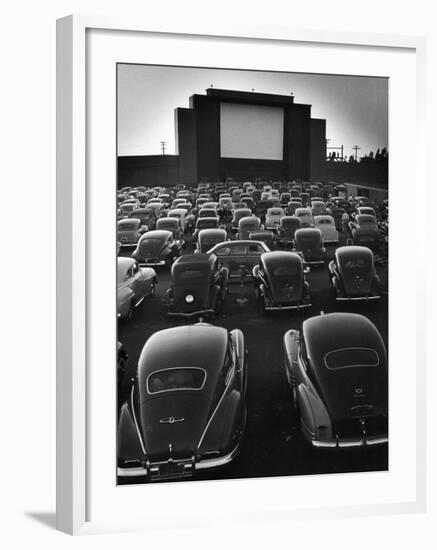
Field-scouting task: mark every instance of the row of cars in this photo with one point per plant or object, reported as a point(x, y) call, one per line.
point(200, 282)
point(187, 409)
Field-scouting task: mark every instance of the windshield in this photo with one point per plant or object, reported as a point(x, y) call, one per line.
point(187, 378)
point(351, 357)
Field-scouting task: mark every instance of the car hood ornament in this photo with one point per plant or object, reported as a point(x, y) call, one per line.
point(170, 420)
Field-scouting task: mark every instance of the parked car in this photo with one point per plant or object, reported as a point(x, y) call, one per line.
point(181, 214)
point(292, 206)
point(199, 286)
point(366, 210)
point(238, 214)
point(129, 230)
point(309, 243)
point(288, 226)
point(173, 225)
point(280, 283)
point(352, 274)
point(337, 369)
point(187, 409)
point(133, 285)
point(273, 217)
point(147, 217)
point(127, 207)
point(248, 225)
point(363, 221)
point(205, 223)
point(207, 213)
point(207, 238)
point(265, 236)
point(362, 236)
point(326, 224)
point(318, 208)
point(156, 248)
point(305, 215)
point(239, 256)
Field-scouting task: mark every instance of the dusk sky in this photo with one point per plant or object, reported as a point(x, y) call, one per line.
point(355, 108)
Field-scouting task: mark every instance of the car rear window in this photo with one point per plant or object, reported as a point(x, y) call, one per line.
point(356, 264)
point(185, 378)
point(127, 226)
point(351, 357)
point(281, 271)
point(190, 274)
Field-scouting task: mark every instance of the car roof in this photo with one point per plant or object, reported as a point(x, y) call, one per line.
point(335, 331)
point(280, 256)
point(128, 221)
point(157, 234)
point(195, 260)
point(344, 253)
point(308, 231)
point(179, 347)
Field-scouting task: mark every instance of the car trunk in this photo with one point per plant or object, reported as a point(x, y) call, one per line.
point(172, 424)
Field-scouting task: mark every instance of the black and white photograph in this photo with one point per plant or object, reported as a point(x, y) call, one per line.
point(252, 245)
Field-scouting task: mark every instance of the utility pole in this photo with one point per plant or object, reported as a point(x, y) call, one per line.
point(355, 148)
point(163, 144)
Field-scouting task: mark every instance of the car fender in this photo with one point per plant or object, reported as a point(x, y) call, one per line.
point(225, 426)
point(125, 295)
point(241, 356)
point(129, 446)
point(314, 418)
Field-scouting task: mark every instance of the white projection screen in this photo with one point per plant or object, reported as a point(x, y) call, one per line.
point(251, 131)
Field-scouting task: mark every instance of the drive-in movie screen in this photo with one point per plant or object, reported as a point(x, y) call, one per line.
point(252, 274)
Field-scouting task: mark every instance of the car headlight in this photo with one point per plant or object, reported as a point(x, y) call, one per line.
point(189, 298)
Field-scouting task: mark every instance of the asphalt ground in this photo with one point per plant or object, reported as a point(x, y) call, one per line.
point(272, 444)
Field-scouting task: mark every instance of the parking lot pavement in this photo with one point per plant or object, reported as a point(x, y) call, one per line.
point(272, 444)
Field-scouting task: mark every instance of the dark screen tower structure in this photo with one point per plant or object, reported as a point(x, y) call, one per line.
point(198, 140)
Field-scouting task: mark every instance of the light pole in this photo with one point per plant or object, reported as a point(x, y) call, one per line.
point(163, 144)
point(355, 148)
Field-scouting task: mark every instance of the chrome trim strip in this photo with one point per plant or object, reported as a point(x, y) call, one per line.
point(358, 299)
point(135, 419)
point(230, 377)
point(189, 315)
point(284, 308)
point(219, 461)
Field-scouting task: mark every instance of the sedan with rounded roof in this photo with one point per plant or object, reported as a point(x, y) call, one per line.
point(337, 369)
point(156, 248)
point(308, 242)
point(305, 215)
point(133, 285)
point(326, 224)
point(199, 286)
point(129, 230)
point(353, 275)
point(280, 283)
point(207, 238)
point(288, 226)
point(186, 412)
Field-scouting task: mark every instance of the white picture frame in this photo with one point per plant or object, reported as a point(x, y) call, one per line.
point(76, 356)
